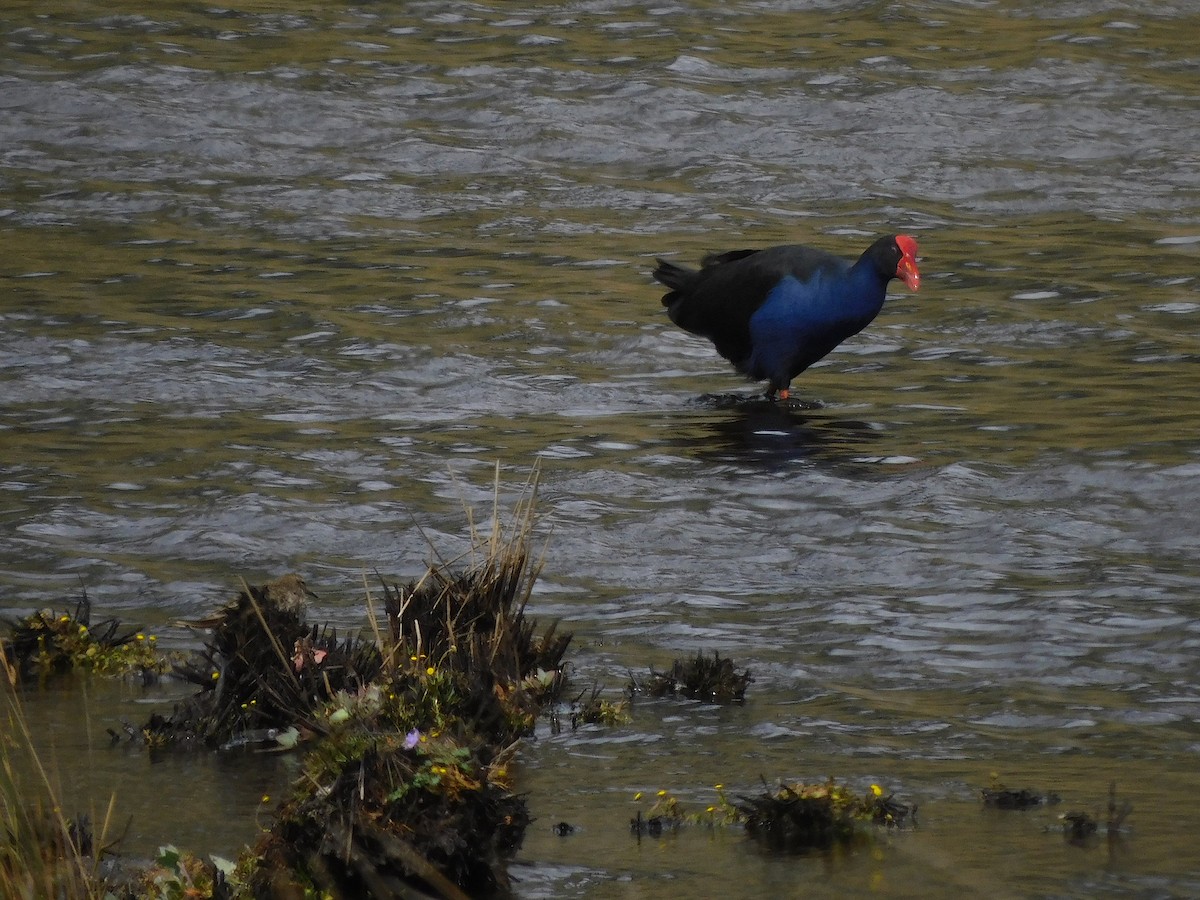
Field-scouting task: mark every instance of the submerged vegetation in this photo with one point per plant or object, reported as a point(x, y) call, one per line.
point(1078, 826)
point(1002, 798)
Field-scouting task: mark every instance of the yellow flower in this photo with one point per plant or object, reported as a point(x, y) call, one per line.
point(637, 796)
point(140, 636)
point(662, 793)
point(216, 675)
point(711, 809)
point(430, 671)
point(876, 790)
point(64, 618)
point(266, 798)
point(719, 787)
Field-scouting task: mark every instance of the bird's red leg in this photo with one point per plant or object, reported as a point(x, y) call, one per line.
point(783, 394)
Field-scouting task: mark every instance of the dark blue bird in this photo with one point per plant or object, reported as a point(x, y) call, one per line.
point(775, 312)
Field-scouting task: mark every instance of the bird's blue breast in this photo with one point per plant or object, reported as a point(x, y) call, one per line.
point(799, 322)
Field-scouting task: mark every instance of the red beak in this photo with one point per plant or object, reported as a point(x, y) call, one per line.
point(907, 269)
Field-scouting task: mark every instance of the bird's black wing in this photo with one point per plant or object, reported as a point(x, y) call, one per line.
point(717, 301)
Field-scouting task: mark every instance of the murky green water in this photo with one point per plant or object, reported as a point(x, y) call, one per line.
point(282, 285)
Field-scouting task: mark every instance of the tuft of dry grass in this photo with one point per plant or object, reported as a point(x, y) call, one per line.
point(43, 853)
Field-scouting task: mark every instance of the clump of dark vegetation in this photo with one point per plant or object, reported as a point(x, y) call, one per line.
point(381, 817)
point(408, 788)
point(712, 680)
point(48, 643)
point(793, 818)
point(1078, 827)
point(801, 817)
point(263, 671)
point(590, 708)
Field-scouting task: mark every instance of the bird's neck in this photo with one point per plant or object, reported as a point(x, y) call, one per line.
point(867, 283)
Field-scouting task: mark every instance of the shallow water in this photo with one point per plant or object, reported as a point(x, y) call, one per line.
point(281, 288)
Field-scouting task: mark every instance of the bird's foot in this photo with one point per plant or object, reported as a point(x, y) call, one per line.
point(782, 394)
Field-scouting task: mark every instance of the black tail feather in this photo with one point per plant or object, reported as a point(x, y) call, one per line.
point(716, 259)
point(675, 277)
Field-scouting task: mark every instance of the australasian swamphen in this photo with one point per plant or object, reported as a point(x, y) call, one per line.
point(775, 312)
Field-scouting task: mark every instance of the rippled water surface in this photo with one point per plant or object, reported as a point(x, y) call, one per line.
point(281, 288)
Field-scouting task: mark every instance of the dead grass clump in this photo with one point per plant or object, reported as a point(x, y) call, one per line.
point(471, 627)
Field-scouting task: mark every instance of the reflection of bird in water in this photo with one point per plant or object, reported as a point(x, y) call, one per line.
point(287, 593)
point(745, 430)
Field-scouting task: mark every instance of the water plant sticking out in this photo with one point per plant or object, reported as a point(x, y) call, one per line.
point(799, 817)
point(712, 680)
point(47, 643)
point(1079, 827)
point(999, 797)
point(263, 671)
point(792, 818)
point(589, 708)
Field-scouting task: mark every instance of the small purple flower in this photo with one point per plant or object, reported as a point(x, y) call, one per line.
point(412, 739)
